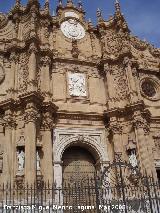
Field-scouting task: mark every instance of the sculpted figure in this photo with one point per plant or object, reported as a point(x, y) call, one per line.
point(38, 162)
point(133, 159)
point(21, 157)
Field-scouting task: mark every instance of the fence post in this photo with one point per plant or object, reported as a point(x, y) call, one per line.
point(149, 191)
point(98, 185)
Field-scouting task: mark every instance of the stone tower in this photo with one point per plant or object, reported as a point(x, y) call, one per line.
point(74, 96)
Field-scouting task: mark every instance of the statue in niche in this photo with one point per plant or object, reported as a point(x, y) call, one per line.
point(21, 158)
point(38, 162)
point(133, 158)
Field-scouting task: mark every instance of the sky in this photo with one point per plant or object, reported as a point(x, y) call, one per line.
point(142, 16)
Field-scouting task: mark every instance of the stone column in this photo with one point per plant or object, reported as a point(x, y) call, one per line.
point(46, 165)
point(110, 86)
point(32, 67)
point(31, 116)
point(58, 173)
point(8, 147)
point(142, 131)
point(45, 76)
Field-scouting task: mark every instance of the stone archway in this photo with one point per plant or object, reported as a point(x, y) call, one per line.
point(94, 141)
point(78, 165)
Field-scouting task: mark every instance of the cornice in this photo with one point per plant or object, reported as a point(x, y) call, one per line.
point(80, 116)
point(125, 111)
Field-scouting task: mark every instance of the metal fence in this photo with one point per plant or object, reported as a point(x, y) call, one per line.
point(88, 195)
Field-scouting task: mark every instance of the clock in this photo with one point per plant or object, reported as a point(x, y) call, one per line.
point(77, 84)
point(73, 29)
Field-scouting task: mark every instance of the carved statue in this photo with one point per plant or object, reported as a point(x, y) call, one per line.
point(38, 162)
point(133, 158)
point(21, 158)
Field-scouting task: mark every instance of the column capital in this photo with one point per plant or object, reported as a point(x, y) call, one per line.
point(47, 121)
point(127, 61)
point(33, 48)
point(31, 113)
point(141, 123)
point(9, 119)
point(14, 57)
point(46, 61)
point(115, 128)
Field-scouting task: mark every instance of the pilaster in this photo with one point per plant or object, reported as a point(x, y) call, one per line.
point(131, 82)
point(32, 67)
point(13, 60)
point(9, 159)
point(110, 86)
point(31, 116)
point(46, 165)
point(116, 130)
point(45, 76)
point(142, 129)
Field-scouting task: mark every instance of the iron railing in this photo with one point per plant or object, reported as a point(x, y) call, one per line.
point(88, 196)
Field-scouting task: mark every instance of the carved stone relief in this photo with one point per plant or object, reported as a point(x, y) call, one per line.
point(72, 29)
point(23, 72)
point(120, 82)
point(77, 84)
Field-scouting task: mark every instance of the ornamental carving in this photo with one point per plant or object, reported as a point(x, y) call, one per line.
point(47, 121)
point(140, 122)
point(23, 72)
point(46, 61)
point(116, 128)
point(156, 138)
point(116, 43)
point(10, 121)
point(3, 20)
point(137, 43)
point(31, 116)
point(120, 82)
point(77, 84)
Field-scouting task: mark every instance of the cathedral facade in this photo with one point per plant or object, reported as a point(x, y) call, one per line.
point(74, 96)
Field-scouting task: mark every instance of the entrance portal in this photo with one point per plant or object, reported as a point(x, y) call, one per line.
point(78, 165)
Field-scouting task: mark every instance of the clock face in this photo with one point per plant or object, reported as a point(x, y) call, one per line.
point(72, 29)
point(77, 84)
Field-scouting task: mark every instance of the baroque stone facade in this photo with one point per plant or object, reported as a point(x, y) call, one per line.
point(73, 96)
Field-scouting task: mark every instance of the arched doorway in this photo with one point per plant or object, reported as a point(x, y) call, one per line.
point(78, 165)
